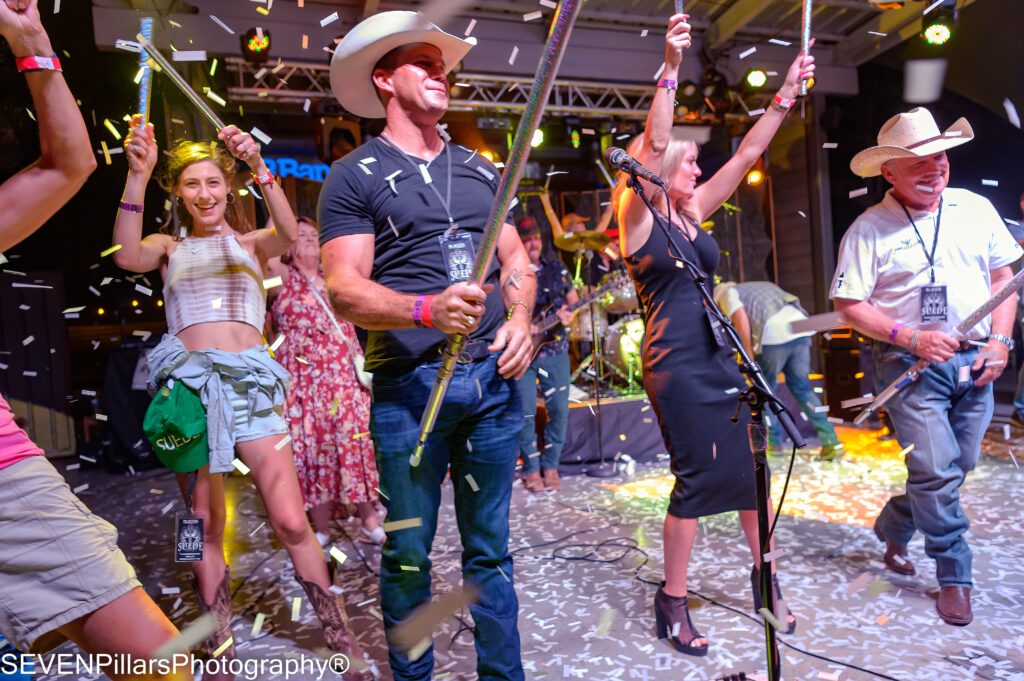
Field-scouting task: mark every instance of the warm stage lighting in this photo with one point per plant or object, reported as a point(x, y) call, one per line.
point(135, 303)
point(755, 177)
point(756, 78)
point(488, 154)
point(101, 311)
point(937, 34)
point(938, 24)
point(256, 46)
point(538, 138)
point(159, 303)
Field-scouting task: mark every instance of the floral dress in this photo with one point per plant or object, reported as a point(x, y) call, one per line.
point(328, 409)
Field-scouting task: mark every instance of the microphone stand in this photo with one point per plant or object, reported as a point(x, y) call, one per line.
point(756, 397)
point(604, 469)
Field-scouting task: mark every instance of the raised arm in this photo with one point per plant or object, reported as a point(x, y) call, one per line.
point(32, 196)
point(711, 194)
point(634, 221)
point(138, 254)
point(551, 215)
point(272, 241)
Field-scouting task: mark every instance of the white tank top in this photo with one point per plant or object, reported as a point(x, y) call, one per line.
point(213, 279)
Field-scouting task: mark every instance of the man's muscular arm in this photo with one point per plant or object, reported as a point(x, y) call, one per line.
point(348, 261)
point(519, 292)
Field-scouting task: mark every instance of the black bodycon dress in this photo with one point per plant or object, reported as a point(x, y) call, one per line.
point(693, 384)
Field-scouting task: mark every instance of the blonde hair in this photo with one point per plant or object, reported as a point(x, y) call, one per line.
point(186, 153)
point(670, 160)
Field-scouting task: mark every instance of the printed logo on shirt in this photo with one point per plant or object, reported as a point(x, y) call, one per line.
point(904, 244)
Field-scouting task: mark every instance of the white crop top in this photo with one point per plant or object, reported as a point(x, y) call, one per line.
point(213, 279)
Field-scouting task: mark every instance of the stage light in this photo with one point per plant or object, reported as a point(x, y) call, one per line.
point(538, 138)
point(688, 88)
point(756, 78)
point(488, 154)
point(135, 303)
point(574, 139)
point(100, 311)
point(160, 303)
point(256, 46)
point(938, 24)
point(755, 177)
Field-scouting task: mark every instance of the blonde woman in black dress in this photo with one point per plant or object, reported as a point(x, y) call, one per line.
point(691, 380)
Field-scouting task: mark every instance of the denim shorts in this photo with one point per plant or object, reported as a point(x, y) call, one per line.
point(58, 561)
point(265, 418)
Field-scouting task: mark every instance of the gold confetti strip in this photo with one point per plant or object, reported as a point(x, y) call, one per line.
point(334, 405)
point(338, 555)
point(113, 249)
point(112, 129)
point(192, 635)
point(771, 619)
point(106, 152)
point(296, 608)
point(906, 450)
point(398, 525)
point(272, 282)
point(359, 435)
point(421, 624)
point(257, 624)
point(416, 652)
point(409, 568)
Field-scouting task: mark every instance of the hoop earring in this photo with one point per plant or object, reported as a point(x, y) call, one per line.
point(231, 198)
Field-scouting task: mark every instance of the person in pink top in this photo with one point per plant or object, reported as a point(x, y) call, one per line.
point(62, 575)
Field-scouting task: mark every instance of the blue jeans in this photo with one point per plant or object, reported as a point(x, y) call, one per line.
point(476, 434)
point(555, 388)
point(945, 420)
point(794, 360)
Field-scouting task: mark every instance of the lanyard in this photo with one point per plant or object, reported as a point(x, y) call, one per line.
point(445, 200)
point(935, 239)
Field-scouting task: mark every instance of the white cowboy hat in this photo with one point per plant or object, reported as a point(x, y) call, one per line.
point(363, 46)
point(909, 134)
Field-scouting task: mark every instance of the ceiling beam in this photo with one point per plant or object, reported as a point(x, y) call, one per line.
point(732, 21)
point(898, 25)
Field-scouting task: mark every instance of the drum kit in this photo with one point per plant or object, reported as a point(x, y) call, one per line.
point(611, 325)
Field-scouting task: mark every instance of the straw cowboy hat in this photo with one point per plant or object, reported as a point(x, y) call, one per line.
point(910, 134)
point(372, 38)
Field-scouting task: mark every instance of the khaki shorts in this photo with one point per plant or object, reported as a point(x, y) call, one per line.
point(58, 561)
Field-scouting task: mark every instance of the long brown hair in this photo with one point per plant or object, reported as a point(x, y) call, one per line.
point(185, 153)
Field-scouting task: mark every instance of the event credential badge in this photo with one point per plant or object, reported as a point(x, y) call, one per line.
point(188, 539)
point(457, 253)
point(934, 304)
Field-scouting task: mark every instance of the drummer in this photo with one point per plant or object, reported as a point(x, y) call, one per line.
point(550, 366)
point(606, 257)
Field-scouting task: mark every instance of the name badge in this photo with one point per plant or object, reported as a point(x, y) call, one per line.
point(188, 539)
point(934, 304)
point(457, 253)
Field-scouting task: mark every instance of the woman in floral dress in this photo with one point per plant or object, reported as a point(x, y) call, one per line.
point(328, 407)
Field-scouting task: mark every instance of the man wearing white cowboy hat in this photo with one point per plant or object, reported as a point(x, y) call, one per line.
point(400, 220)
point(910, 269)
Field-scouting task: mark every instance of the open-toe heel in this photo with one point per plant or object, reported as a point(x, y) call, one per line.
point(755, 586)
point(672, 620)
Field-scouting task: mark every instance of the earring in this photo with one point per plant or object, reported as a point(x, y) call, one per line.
point(231, 198)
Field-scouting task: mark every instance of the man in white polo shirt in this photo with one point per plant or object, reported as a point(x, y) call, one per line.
point(910, 269)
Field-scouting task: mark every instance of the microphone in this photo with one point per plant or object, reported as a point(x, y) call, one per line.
point(618, 158)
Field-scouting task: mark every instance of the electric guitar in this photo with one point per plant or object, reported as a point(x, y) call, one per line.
point(551, 319)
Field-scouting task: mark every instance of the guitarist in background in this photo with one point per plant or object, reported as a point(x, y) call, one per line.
point(550, 366)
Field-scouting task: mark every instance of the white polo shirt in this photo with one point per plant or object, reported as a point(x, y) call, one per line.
point(881, 259)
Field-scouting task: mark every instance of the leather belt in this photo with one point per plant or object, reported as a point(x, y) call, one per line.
point(970, 345)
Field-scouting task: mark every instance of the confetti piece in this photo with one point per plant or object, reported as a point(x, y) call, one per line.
point(746, 53)
point(859, 583)
point(801, 214)
point(281, 444)
point(906, 450)
point(305, 105)
point(661, 70)
point(756, 112)
point(878, 33)
point(965, 373)
point(1011, 113)
point(818, 322)
point(210, 94)
point(771, 619)
point(257, 624)
point(776, 41)
point(240, 466)
point(532, 16)
point(329, 19)
point(190, 636)
point(170, 590)
point(222, 24)
point(409, 568)
point(113, 131)
point(512, 57)
point(503, 573)
point(167, 508)
point(260, 135)
point(81, 488)
point(338, 555)
point(774, 555)
point(297, 600)
point(392, 225)
point(823, 409)
point(550, 4)
point(923, 80)
point(859, 192)
point(272, 282)
point(990, 183)
point(830, 145)
point(106, 152)
point(932, 6)
point(143, 290)
point(469, 29)
point(425, 173)
point(643, 33)
point(399, 525)
point(856, 401)
point(189, 55)
point(27, 340)
point(472, 482)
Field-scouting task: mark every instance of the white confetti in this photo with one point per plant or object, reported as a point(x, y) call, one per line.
point(338, 555)
point(746, 53)
point(878, 33)
point(1011, 113)
point(240, 466)
point(830, 145)
point(143, 290)
point(512, 57)
point(533, 16)
point(263, 137)
point(282, 442)
point(965, 373)
point(221, 24)
point(297, 600)
point(81, 488)
point(643, 33)
point(189, 55)
point(27, 340)
point(776, 41)
point(756, 112)
point(932, 6)
point(425, 173)
point(469, 29)
point(329, 19)
point(859, 192)
point(990, 183)
point(472, 483)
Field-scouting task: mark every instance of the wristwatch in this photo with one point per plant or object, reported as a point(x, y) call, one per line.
point(1005, 340)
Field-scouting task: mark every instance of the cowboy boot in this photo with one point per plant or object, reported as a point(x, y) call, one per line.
point(338, 634)
point(221, 608)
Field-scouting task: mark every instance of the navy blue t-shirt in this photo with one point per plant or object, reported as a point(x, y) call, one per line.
point(375, 190)
point(553, 285)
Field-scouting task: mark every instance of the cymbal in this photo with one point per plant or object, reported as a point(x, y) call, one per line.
point(587, 240)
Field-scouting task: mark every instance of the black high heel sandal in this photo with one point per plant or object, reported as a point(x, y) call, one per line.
point(755, 585)
point(672, 621)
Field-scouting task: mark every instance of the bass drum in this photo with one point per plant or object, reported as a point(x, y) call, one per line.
point(621, 298)
point(582, 329)
point(622, 349)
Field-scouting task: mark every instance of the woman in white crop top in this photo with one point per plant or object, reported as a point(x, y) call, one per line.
point(216, 305)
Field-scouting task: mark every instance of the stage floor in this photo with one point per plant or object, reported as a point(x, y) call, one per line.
point(591, 618)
